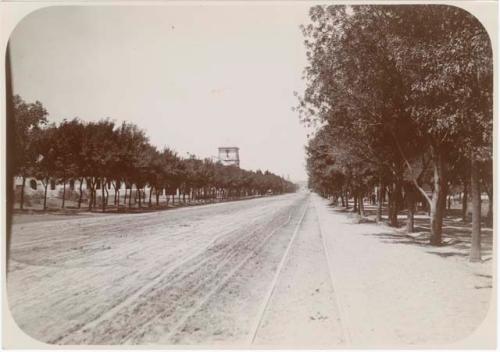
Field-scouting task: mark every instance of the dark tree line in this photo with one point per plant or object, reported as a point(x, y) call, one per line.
point(104, 156)
point(403, 97)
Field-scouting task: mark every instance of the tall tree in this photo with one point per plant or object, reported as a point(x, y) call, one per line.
point(28, 119)
point(401, 84)
point(45, 166)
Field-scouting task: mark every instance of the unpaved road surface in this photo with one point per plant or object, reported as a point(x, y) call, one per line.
point(393, 292)
point(287, 271)
point(303, 311)
point(189, 276)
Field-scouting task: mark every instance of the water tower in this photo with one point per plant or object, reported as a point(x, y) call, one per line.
point(229, 156)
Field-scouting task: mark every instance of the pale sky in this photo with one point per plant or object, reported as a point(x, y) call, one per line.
point(193, 77)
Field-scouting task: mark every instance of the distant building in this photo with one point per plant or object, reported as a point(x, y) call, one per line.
point(229, 156)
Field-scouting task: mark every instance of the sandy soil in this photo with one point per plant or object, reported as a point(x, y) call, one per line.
point(399, 292)
point(134, 278)
point(303, 311)
point(286, 271)
point(29, 218)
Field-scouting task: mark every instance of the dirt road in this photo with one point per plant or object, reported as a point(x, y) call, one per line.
point(195, 275)
point(285, 271)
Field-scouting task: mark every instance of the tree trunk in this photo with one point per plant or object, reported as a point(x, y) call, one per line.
point(475, 252)
point(438, 201)
point(392, 208)
point(103, 200)
point(435, 224)
point(107, 195)
point(410, 219)
point(90, 186)
point(139, 195)
point(46, 185)
point(150, 195)
point(355, 199)
point(410, 204)
point(393, 214)
point(64, 193)
point(379, 202)
point(130, 197)
point(361, 206)
point(23, 184)
point(81, 193)
point(464, 202)
point(489, 215)
point(396, 200)
point(115, 197)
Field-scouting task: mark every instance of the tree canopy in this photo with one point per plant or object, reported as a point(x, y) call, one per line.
point(104, 152)
point(404, 94)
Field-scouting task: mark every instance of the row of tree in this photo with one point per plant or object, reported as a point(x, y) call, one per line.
point(104, 153)
point(401, 97)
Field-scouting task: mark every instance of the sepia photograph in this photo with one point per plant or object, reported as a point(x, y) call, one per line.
point(292, 175)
